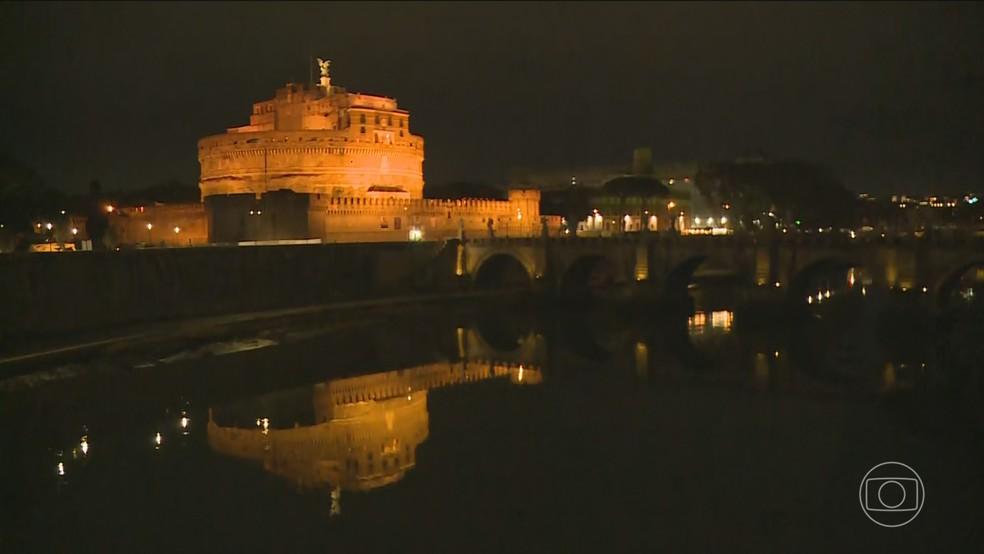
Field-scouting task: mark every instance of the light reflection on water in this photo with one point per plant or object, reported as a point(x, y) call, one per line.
point(343, 437)
point(358, 433)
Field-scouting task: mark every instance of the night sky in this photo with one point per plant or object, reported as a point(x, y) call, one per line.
point(890, 96)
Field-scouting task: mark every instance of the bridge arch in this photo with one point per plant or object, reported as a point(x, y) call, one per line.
point(686, 272)
point(950, 278)
point(502, 270)
point(588, 273)
point(799, 285)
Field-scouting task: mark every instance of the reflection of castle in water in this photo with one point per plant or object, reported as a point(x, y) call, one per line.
point(362, 432)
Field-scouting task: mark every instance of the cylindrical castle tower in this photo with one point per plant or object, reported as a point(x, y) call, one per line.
point(321, 140)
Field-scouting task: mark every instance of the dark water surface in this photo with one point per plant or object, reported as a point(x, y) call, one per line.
point(497, 429)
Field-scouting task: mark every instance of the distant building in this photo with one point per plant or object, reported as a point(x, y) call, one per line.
point(641, 195)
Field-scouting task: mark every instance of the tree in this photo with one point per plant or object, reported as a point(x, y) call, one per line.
point(790, 189)
point(24, 196)
point(97, 220)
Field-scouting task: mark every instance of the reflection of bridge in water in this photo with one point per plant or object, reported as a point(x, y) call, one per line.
point(358, 433)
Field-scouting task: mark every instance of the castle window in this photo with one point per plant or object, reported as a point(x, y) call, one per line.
point(362, 118)
point(401, 133)
point(377, 119)
point(396, 223)
point(401, 124)
point(389, 120)
point(362, 130)
point(383, 224)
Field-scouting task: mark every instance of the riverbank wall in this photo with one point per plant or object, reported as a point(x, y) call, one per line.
point(77, 292)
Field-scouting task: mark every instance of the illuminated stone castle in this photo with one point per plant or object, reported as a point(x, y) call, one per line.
point(322, 140)
point(322, 162)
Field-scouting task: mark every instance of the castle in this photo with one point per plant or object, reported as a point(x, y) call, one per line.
point(324, 163)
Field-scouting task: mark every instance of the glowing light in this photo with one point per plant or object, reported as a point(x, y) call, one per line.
point(183, 423)
point(520, 377)
point(158, 440)
point(696, 221)
point(75, 230)
point(670, 205)
point(63, 212)
point(177, 229)
point(819, 297)
point(826, 294)
point(864, 290)
point(84, 445)
point(416, 234)
point(710, 221)
point(721, 319)
point(48, 226)
point(61, 469)
point(809, 299)
point(724, 220)
point(776, 354)
point(109, 208)
point(150, 226)
point(853, 234)
point(925, 290)
point(264, 423)
point(850, 277)
point(699, 319)
point(459, 266)
point(778, 284)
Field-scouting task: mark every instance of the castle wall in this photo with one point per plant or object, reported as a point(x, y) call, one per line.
point(171, 225)
point(275, 215)
point(354, 219)
point(308, 162)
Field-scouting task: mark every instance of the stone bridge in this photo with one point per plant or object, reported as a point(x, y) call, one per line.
point(669, 263)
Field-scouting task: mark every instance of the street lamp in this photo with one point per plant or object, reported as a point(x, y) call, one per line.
point(149, 227)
